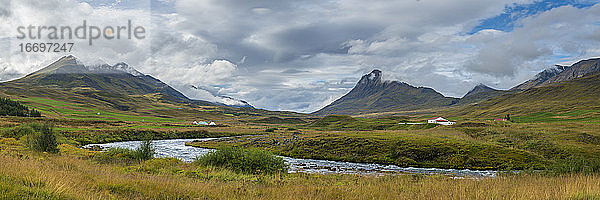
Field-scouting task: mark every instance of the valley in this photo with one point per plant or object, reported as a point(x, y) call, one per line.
point(552, 138)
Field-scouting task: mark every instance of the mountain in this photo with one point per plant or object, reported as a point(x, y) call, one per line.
point(372, 94)
point(68, 89)
point(559, 74)
point(577, 70)
point(69, 73)
point(114, 85)
point(554, 90)
point(578, 94)
point(481, 92)
point(541, 78)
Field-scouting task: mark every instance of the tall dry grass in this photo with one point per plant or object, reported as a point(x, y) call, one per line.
point(25, 174)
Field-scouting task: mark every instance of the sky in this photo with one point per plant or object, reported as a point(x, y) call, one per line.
point(301, 55)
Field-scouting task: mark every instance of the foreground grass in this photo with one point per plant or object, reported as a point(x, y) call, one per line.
point(71, 175)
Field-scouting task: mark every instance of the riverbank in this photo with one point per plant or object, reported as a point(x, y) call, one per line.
point(72, 175)
point(177, 148)
point(566, 147)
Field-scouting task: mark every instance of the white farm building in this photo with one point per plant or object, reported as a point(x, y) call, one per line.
point(440, 120)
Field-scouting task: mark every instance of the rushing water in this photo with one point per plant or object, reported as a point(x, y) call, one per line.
point(176, 148)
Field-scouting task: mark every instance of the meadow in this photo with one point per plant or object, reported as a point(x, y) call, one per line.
point(470, 144)
point(73, 174)
point(557, 150)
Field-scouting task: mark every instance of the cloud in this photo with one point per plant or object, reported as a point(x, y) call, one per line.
point(302, 55)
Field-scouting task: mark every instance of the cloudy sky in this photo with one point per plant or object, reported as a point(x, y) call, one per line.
point(301, 55)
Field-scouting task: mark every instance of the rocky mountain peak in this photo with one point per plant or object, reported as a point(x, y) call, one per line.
point(479, 88)
point(372, 78)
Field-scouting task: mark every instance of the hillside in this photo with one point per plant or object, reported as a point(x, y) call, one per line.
point(481, 93)
point(577, 94)
point(120, 79)
point(69, 89)
point(372, 94)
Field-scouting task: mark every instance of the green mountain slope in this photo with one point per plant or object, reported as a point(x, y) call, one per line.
point(69, 89)
point(120, 79)
point(577, 94)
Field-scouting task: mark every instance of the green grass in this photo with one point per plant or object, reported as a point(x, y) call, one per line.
point(573, 116)
point(75, 111)
point(348, 123)
point(243, 160)
point(473, 145)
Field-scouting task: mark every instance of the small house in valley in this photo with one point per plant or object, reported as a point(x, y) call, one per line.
point(440, 120)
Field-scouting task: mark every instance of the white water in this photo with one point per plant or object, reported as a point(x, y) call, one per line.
point(176, 148)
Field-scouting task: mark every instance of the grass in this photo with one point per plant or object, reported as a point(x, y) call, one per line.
point(78, 111)
point(242, 160)
point(472, 145)
point(24, 174)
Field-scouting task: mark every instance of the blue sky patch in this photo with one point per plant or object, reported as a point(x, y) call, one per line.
point(512, 13)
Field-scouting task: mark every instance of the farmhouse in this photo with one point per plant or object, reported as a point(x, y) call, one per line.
point(440, 120)
point(201, 123)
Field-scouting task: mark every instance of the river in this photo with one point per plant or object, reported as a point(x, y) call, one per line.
point(176, 148)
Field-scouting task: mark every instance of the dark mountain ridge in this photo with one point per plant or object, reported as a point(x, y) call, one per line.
point(371, 94)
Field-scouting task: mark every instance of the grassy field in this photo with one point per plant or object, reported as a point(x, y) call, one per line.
point(73, 175)
point(472, 145)
point(565, 145)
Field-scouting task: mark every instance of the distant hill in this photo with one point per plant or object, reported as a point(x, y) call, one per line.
point(479, 93)
point(372, 94)
point(579, 93)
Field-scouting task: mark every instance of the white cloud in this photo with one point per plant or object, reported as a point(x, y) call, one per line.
point(300, 55)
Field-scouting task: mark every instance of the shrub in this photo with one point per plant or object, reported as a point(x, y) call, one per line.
point(40, 137)
point(19, 131)
point(573, 165)
point(270, 130)
point(245, 161)
point(116, 155)
point(145, 151)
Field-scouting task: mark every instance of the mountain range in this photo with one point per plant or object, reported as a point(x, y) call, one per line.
point(374, 95)
point(95, 80)
point(123, 88)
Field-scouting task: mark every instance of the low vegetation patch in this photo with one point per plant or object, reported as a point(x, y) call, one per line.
point(40, 137)
point(243, 160)
point(144, 152)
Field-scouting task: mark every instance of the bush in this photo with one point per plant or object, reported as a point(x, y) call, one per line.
point(145, 151)
point(270, 130)
point(19, 131)
point(40, 137)
point(116, 155)
point(574, 165)
point(245, 161)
